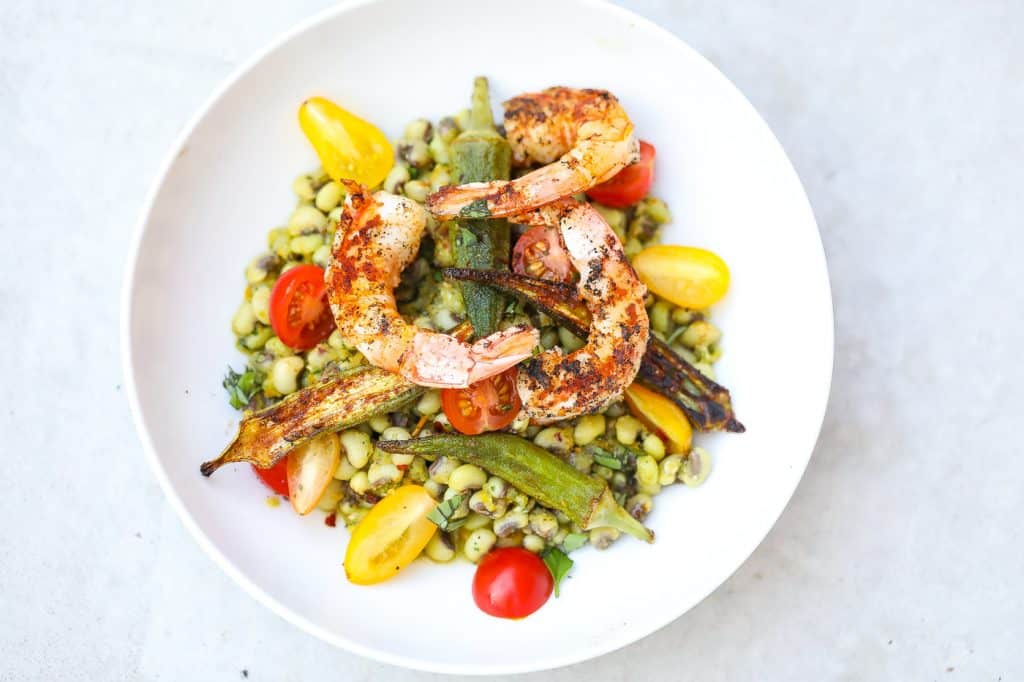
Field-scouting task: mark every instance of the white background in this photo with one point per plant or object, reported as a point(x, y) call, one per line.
point(901, 555)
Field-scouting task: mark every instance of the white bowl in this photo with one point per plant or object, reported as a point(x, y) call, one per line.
point(731, 189)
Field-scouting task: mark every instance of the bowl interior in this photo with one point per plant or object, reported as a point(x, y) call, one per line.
point(730, 188)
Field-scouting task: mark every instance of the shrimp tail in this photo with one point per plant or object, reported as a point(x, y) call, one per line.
point(476, 200)
point(379, 236)
point(500, 351)
point(441, 361)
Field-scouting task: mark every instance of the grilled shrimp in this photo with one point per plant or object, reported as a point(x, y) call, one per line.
point(378, 237)
point(554, 386)
point(584, 136)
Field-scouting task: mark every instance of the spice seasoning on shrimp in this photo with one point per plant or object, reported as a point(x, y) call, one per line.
point(381, 237)
point(555, 385)
point(584, 136)
point(707, 404)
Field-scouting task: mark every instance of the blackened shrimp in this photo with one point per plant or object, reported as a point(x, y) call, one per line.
point(378, 237)
point(584, 136)
point(556, 386)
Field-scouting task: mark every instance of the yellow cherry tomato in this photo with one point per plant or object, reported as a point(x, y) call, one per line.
point(662, 416)
point(685, 275)
point(349, 147)
point(310, 469)
point(389, 537)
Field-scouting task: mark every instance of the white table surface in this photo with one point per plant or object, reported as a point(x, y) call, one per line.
point(901, 556)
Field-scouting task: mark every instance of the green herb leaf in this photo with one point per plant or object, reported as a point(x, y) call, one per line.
point(230, 384)
point(558, 563)
point(608, 461)
point(604, 458)
point(242, 387)
point(476, 209)
point(574, 541)
point(676, 334)
point(613, 455)
point(466, 237)
point(441, 515)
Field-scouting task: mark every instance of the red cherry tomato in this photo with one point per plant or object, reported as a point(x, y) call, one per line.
point(511, 583)
point(539, 252)
point(299, 312)
point(630, 185)
point(487, 405)
point(276, 477)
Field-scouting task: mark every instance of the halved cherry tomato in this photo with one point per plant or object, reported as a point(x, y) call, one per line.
point(662, 416)
point(348, 147)
point(511, 583)
point(299, 312)
point(539, 253)
point(487, 405)
point(276, 477)
point(685, 275)
point(311, 467)
point(390, 536)
point(630, 185)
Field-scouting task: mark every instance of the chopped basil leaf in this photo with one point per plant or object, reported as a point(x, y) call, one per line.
point(574, 541)
point(558, 563)
point(441, 515)
point(475, 209)
point(242, 387)
point(604, 458)
point(613, 455)
point(608, 461)
point(675, 335)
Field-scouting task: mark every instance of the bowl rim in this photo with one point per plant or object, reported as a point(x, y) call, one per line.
point(576, 655)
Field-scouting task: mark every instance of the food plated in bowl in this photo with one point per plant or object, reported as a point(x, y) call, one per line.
point(227, 512)
point(377, 358)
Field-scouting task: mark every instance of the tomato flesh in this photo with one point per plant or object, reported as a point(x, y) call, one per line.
point(511, 583)
point(629, 185)
point(685, 275)
point(276, 477)
point(311, 468)
point(487, 405)
point(390, 536)
point(539, 253)
point(299, 312)
point(662, 416)
point(348, 147)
